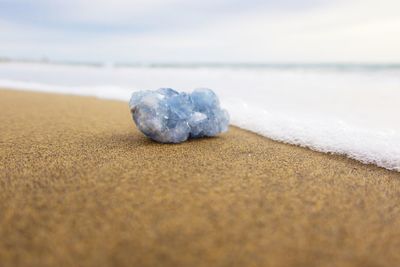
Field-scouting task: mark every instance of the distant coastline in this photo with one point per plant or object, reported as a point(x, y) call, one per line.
point(333, 66)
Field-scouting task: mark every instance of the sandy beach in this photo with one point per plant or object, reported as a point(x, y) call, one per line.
point(80, 186)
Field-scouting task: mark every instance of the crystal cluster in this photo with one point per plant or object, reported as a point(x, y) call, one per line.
point(167, 116)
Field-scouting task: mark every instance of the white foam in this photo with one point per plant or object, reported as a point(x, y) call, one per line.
point(354, 113)
point(380, 147)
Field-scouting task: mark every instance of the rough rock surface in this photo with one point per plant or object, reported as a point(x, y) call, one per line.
point(168, 116)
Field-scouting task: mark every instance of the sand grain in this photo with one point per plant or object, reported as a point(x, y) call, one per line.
point(80, 186)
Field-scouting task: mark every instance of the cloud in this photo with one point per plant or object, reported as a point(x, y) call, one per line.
point(129, 16)
point(177, 30)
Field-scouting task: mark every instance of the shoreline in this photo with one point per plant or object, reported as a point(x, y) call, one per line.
point(80, 185)
point(335, 147)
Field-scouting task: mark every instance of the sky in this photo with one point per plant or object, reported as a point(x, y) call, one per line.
point(201, 31)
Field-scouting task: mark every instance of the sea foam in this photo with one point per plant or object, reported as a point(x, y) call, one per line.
point(349, 111)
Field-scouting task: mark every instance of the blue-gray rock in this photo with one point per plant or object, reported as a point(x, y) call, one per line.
point(167, 116)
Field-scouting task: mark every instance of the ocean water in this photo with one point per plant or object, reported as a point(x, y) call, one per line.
point(348, 109)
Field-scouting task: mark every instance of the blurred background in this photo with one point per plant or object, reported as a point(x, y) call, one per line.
point(228, 31)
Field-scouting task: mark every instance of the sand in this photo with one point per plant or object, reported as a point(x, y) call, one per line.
point(80, 186)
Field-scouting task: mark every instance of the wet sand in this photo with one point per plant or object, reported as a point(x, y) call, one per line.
point(80, 186)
